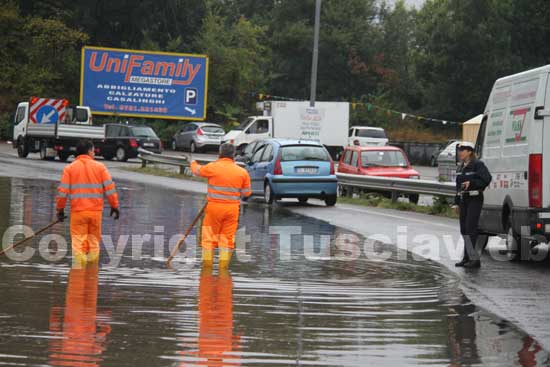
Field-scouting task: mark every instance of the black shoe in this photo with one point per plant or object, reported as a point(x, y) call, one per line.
point(474, 264)
point(461, 264)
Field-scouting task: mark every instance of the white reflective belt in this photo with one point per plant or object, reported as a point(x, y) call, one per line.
point(86, 196)
point(223, 188)
point(223, 197)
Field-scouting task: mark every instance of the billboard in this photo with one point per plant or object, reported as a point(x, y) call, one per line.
point(144, 84)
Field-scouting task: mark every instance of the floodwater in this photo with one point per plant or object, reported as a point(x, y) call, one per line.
point(277, 309)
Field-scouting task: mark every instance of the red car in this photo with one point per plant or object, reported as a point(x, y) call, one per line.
point(384, 161)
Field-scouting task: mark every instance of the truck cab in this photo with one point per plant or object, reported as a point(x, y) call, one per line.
point(252, 129)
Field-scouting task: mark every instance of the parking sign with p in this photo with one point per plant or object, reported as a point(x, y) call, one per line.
point(191, 96)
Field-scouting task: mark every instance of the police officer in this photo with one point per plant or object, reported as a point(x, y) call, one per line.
point(471, 180)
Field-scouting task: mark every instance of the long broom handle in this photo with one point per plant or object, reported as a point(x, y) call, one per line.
point(29, 238)
point(184, 237)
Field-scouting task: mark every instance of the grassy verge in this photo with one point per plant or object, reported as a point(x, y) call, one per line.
point(155, 171)
point(439, 208)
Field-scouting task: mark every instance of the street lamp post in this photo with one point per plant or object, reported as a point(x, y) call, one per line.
point(315, 60)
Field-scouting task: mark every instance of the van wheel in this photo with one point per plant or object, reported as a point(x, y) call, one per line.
point(121, 155)
point(269, 196)
point(22, 150)
point(331, 200)
point(514, 244)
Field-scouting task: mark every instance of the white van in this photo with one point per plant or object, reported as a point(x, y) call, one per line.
point(511, 139)
point(368, 136)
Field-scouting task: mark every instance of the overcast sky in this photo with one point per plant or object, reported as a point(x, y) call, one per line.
point(417, 3)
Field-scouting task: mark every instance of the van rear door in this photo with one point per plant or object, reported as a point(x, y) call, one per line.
point(545, 148)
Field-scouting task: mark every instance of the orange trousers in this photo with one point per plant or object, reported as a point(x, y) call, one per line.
point(86, 233)
point(220, 225)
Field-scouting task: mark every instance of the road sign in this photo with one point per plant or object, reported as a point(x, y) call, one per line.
point(47, 110)
point(144, 84)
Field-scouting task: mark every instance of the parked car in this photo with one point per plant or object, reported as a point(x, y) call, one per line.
point(122, 141)
point(197, 136)
point(292, 169)
point(446, 163)
point(434, 159)
point(385, 161)
point(367, 136)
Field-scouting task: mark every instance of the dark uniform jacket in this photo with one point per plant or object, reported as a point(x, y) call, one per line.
point(477, 173)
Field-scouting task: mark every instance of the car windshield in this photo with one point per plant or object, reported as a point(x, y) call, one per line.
point(243, 124)
point(143, 132)
point(212, 129)
point(383, 158)
point(371, 133)
point(304, 153)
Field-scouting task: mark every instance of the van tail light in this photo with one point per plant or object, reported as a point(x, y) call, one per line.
point(535, 180)
point(278, 169)
point(133, 143)
point(332, 170)
point(199, 132)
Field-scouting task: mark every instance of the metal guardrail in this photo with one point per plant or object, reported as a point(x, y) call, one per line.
point(181, 161)
point(397, 185)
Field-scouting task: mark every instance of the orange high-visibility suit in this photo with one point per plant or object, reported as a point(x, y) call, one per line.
point(217, 343)
point(86, 182)
point(227, 183)
point(84, 331)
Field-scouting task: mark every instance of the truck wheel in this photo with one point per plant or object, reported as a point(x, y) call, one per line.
point(269, 195)
point(22, 150)
point(331, 200)
point(63, 156)
point(121, 155)
point(44, 151)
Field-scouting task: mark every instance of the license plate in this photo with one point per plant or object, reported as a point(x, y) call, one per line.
point(307, 170)
point(149, 145)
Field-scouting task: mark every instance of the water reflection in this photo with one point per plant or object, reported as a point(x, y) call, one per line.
point(82, 332)
point(266, 312)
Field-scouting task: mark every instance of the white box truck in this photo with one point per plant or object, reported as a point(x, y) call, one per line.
point(327, 123)
point(515, 125)
point(52, 128)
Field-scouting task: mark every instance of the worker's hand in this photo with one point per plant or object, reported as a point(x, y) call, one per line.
point(466, 185)
point(245, 198)
point(116, 212)
point(61, 215)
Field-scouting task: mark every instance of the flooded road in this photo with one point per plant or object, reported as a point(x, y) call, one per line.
point(279, 308)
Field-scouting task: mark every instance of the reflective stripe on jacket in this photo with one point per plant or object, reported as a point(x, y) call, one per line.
point(86, 182)
point(227, 182)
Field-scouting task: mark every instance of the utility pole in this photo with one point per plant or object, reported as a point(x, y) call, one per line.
point(315, 61)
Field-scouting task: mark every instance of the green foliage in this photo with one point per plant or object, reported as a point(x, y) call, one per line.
point(439, 61)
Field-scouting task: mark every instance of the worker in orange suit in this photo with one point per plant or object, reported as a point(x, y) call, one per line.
point(86, 182)
point(227, 184)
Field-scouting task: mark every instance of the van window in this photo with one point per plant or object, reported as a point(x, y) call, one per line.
point(371, 133)
point(351, 132)
point(481, 137)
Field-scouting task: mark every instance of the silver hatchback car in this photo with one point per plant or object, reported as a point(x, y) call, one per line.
point(196, 136)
